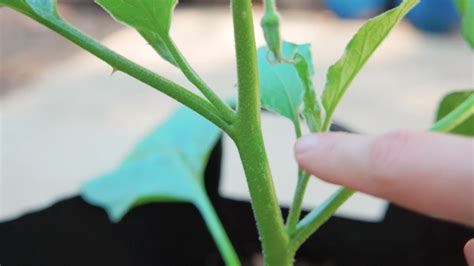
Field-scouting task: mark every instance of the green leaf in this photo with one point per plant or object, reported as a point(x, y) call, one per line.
point(468, 22)
point(281, 88)
point(151, 18)
point(312, 108)
point(461, 6)
point(449, 103)
point(168, 165)
point(45, 8)
point(358, 52)
point(36, 8)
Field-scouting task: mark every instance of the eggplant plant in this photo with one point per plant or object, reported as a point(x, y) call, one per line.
point(168, 165)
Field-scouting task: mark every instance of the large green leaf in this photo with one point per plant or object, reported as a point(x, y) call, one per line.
point(449, 103)
point(168, 165)
point(358, 52)
point(281, 88)
point(151, 18)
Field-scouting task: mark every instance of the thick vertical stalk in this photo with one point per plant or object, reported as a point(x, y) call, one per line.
point(250, 143)
point(273, 236)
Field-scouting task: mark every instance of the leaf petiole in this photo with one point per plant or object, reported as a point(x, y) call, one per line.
point(296, 207)
point(223, 110)
point(217, 230)
point(317, 217)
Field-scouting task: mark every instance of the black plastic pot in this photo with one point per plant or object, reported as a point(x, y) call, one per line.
point(72, 233)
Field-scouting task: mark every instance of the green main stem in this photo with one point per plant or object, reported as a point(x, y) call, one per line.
point(249, 141)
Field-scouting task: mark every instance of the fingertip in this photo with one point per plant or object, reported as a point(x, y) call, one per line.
point(305, 145)
point(469, 252)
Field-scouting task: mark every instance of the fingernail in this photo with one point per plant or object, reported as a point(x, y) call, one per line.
point(306, 145)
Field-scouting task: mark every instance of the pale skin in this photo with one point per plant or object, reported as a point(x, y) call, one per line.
point(430, 173)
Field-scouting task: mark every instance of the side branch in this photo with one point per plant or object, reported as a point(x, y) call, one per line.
point(318, 217)
point(120, 63)
point(224, 111)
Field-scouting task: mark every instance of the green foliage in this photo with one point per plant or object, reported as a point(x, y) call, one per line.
point(466, 9)
point(468, 22)
point(43, 8)
point(312, 108)
point(449, 103)
point(46, 8)
point(281, 87)
point(151, 18)
point(358, 52)
point(271, 30)
point(461, 5)
point(167, 165)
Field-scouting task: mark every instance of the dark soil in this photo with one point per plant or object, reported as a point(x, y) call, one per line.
point(71, 232)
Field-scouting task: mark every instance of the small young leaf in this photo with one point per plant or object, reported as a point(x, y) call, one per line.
point(358, 52)
point(168, 165)
point(311, 108)
point(281, 88)
point(449, 103)
point(151, 18)
point(271, 30)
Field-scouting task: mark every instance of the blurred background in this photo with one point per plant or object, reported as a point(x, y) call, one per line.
point(65, 118)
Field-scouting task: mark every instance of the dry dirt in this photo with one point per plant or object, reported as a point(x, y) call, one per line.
point(22, 39)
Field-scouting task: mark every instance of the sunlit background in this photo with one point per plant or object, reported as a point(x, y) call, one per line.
point(65, 118)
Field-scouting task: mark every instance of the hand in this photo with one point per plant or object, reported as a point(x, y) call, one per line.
point(429, 173)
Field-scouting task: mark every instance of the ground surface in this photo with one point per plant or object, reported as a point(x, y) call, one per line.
point(28, 48)
point(65, 119)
